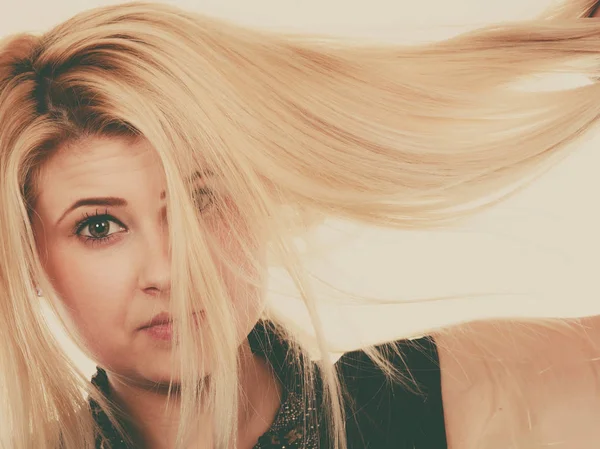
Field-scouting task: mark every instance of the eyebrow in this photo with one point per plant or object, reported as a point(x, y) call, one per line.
point(118, 202)
point(100, 201)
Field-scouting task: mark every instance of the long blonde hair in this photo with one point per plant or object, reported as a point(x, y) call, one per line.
point(296, 129)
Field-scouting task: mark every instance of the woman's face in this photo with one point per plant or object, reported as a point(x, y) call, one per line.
point(102, 235)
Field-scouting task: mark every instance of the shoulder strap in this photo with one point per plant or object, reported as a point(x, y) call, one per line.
point(382, 413)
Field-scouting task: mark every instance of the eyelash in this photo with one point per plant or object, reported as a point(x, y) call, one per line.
point(106, 216)
point(89, 219)
point(203, 192)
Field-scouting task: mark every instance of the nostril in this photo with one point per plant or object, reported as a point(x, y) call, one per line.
point(154, 291)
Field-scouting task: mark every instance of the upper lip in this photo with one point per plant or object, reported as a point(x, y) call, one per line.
point(161, 318)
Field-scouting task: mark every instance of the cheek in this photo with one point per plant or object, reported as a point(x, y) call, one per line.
point(95, 286)
point(244, 286)
point(247, 291)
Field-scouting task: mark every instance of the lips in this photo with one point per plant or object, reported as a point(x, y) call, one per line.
point(164, 318)
point(161, 318)
point(160, 332)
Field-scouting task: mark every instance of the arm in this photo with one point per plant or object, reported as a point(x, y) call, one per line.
point(521, 384)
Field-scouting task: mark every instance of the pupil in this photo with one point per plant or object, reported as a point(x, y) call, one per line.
point(99, 229)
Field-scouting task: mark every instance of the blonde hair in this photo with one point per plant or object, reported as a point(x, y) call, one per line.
point(296, 129)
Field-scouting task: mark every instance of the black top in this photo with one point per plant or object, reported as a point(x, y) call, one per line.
point(379, 414)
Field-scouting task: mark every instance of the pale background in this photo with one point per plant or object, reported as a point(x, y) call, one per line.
point(538, 252)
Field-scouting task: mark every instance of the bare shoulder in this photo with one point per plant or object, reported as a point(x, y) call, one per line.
point(521, 385)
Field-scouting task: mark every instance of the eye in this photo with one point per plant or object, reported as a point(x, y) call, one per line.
point(99, 227)
point(203, 198)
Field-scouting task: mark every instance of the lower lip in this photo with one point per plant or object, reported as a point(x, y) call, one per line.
point(161, 331)
point(164, 331)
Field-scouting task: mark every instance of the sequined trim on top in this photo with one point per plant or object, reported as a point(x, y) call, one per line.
point(290, 430)
point(100, 380)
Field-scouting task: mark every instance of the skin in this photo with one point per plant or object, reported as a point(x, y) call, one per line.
point(511, 384)
point(111, 287)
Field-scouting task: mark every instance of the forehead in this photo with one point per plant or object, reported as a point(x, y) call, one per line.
point(100, 162)
point(99, 167)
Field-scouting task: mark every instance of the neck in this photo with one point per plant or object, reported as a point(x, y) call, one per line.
point(259, 402)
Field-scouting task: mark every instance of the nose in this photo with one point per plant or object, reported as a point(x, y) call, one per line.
point(155, 274)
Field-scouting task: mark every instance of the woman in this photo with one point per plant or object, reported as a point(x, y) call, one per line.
point(154, 163)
